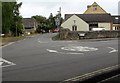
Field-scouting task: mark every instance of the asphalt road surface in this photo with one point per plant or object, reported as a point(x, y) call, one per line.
point(40, 59)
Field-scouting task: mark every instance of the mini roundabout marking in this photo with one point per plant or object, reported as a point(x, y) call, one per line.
point(74, 50)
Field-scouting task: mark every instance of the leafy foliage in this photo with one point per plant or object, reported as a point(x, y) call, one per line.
point(47, 24)
point(51, 20)
point(10, 17)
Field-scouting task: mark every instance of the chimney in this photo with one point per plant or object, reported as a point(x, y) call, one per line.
point(88, 6)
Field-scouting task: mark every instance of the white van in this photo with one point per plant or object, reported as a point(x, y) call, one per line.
point(98, 29)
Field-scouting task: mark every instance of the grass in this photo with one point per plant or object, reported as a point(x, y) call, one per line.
point(4, 39)
point(56, 37)
point(33, 34)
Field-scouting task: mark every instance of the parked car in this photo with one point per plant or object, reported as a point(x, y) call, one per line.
point(55, 30)
point(2, 35)
point(42, 30)
point(98, 29)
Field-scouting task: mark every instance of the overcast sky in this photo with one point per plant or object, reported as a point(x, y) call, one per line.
point(45, 7)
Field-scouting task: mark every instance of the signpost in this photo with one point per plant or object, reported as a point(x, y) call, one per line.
point(57, 20)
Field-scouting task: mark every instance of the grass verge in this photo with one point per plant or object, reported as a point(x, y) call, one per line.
point(57, 37)
point(4, 39)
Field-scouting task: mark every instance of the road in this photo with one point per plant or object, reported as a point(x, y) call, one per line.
point(40, 59)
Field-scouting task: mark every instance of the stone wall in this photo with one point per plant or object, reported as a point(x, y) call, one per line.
point(66, 34)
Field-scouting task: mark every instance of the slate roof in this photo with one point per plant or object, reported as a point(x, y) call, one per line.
point(28, 22)
point(92, 17)
point(116, 19)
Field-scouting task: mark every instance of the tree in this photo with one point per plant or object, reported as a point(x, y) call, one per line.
point(39, 19)
point(51, 20)
point(20, 29)
point(10, 17)
point(0, 17)
point(17, 22)
point(42, 23)
point(7, 16)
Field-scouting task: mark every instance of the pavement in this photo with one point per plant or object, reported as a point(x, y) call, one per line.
point(13, 40)
point(40, 59)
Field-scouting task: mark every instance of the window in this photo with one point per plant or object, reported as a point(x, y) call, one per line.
point(93, 25)
point(74, 22)
point(74, 28)
point(94, 7)
point(117, 28)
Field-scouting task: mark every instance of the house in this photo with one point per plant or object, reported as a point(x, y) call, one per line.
point(94, 17)
point(95, 9)
point(85, 22)
point(116, 22)
point(30, 25)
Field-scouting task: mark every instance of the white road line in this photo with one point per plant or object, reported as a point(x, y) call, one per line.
point(41, 41)
point(7, 44)
point(79, 48)
point(5, 61)
point(109, 78)
point(54, 51)
point(91, 73)
point(8, 62)
point(113, 50)
point(8, 65)
point(1, 63)
point(75, 53)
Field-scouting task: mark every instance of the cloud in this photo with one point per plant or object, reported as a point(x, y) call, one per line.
point(45, 7)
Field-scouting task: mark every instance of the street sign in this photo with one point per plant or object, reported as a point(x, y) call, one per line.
point(57, 21)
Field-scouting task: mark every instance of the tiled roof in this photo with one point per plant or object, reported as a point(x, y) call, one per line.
point(92, 17)
point(28, 22)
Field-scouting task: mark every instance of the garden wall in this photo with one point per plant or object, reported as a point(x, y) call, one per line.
point(66, 34)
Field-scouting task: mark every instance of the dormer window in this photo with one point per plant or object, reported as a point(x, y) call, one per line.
point(94, 7)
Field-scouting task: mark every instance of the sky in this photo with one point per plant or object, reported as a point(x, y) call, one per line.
point(45, 7)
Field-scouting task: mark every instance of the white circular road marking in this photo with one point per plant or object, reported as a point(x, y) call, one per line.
point(55, 51)
point(79, 48)
point(75, 49)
